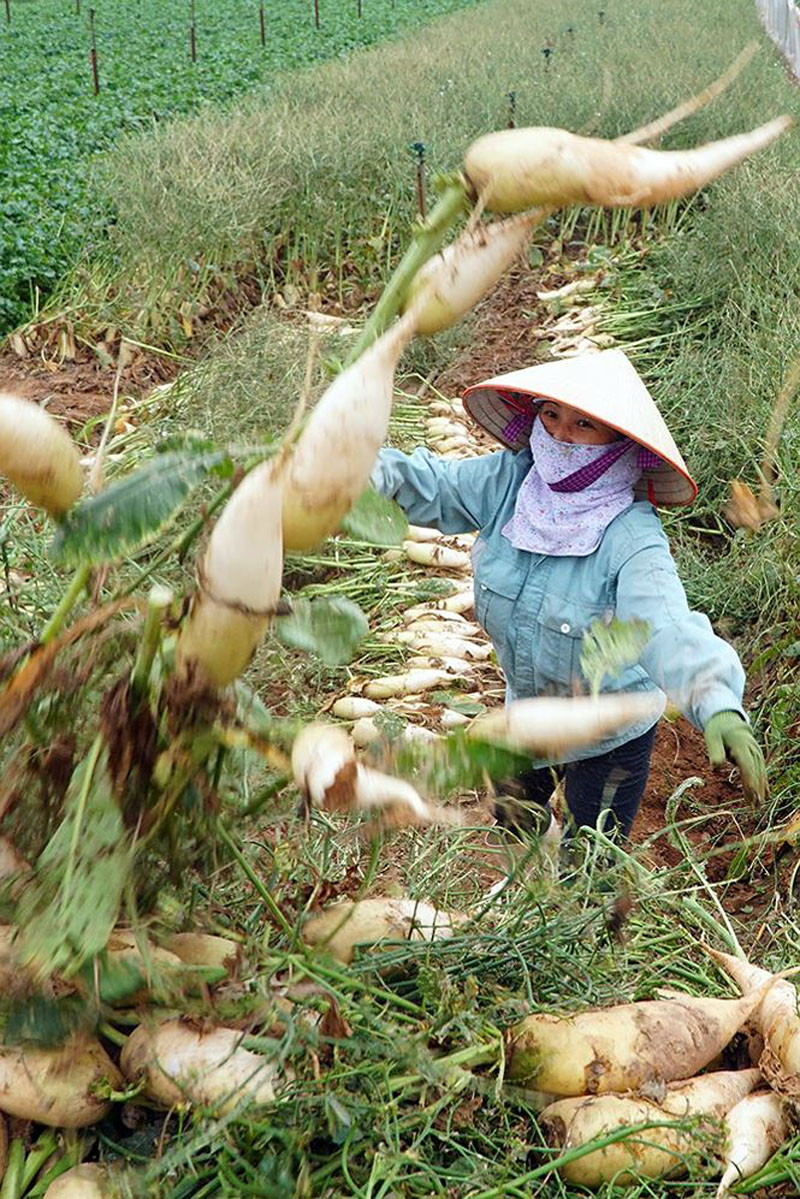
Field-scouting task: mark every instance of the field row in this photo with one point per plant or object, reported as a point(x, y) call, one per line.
point(53, 125)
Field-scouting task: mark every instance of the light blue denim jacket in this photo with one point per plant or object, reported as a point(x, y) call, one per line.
point(536, 607)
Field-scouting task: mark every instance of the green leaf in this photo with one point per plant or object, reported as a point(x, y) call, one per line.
point(69, 907)
point(458, 703)
point(457, 762)
point(46, 1021)
point(328, 626)
point(132, 512)
point(376, 519)
point(609, 648)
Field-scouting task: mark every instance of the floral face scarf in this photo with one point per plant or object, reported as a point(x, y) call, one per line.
point(572, 493)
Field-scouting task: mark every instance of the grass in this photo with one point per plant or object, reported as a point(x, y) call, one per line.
point(410, 1099)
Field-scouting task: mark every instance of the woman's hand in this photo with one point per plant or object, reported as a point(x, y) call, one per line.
point(729, 736)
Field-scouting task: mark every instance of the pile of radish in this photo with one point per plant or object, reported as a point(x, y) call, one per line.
point(640, 1064)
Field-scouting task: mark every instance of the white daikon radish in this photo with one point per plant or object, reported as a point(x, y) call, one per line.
point(453, 281)
point(777, 1016)
point(440, 428)
point(432, 554)
point(124, 945)
point(754, 1128)
point(550, 727)
point(185, 1062)
point(451, 445)
point(365, 732)
point(651, 1153)
point(38, 455)
point(451, 647)
point(448, 628)
point(420, 533)
point(431, 612)
point(625, 1047)
point(331, 463)
point(325, 768)
point(462, 601)
point(87, 1181)
point(377, 790)
point(354, 707)
point(240, 580)
point(206, 949)
point(514, 169)
point(411, 683)
point(451, 719)
point(456, 667)
point(59, 1087)
point(340, 928)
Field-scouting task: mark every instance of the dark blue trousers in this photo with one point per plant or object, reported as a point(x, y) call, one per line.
point(604, 791)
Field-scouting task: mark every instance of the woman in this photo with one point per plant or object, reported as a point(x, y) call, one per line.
point(568, 536)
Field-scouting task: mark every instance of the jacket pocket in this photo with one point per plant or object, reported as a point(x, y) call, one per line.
point(498, 583)
point(557, 651)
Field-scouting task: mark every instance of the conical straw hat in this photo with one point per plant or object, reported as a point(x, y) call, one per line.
point(605, 386)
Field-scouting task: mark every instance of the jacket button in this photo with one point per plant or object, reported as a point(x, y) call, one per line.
point(565, 627)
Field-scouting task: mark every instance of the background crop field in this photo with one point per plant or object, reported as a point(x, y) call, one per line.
point(52, 125)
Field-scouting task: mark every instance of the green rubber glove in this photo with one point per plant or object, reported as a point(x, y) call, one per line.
point(730, 737)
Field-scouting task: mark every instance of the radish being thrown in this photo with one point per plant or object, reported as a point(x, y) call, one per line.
point(569, 538)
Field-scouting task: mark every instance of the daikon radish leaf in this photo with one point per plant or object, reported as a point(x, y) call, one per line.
point(609, 648)
point(68, 909)
point(376, 519)
point(45, 1021)
point(328, 626)
point(458, 703)
point(456, 762)
point(132, 512)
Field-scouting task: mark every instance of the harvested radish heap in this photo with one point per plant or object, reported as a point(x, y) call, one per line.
point(340, 928)
point(38, 456)
point(514, 169)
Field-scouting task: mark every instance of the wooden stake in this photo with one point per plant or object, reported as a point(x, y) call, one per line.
point(95, 73)
point(8, 11)
point(418, 148)
point(316, 14)
point(192, 32)
point(262, 24)
point(512, 110)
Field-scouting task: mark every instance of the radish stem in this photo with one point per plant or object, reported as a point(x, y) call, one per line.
point(426, 241)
